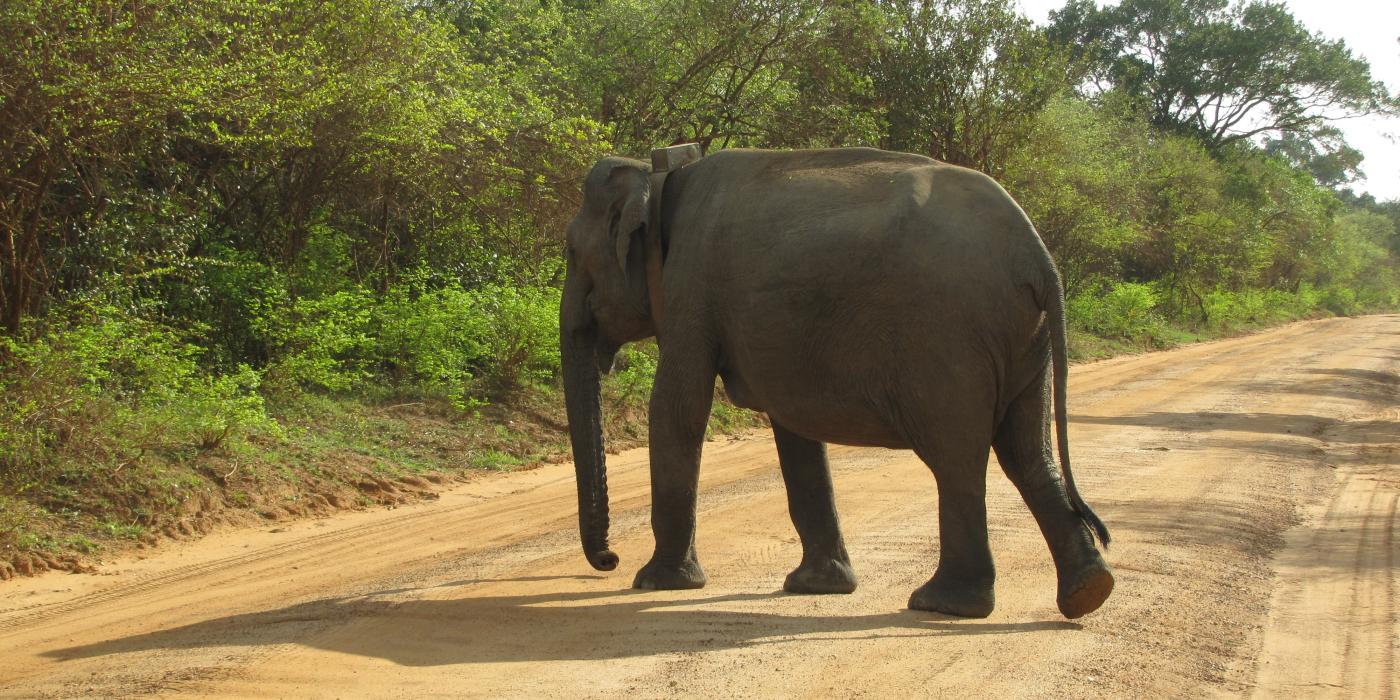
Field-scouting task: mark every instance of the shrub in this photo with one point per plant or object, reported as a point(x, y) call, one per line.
point(1340, 300)
point(225, 296)
point(520, 334)
point(429, 340)
point(464, 345)
point(1124, 310)
point(633, 373)
point(108, 387)
point(1224, 309)
point(320, 342)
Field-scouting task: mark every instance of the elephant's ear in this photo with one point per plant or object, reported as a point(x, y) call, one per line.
point(628, 223)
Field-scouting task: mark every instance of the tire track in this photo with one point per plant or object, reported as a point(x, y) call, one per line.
point(1332, 627)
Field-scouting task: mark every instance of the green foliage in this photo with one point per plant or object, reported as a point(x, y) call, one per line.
point(105, 387)
point(439, 341)
point(1357, 268)
point(727, 419)
point(494, 460)
point(633, 372)
point(1124, 310)
point(1197, 236)
point(1219, 71)
point(1340, 300)
point(259, 168)
point(1079, 178)
point(429, 338)
point(321, 342)
point(1225, 310)
point(520, 334)
point(1115, 199)
point(1286, 216)
point(726, 72)
point(963, 80)
point(1324, 154)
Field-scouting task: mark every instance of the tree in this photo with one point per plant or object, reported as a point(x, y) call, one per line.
point(79, 85)
point(1078, 177)
point(726, 72)
point(137, 138)
point(963, 80)
point(1358, 260)
point(1286, 210)
point(1224, 73)
point(1324, 154)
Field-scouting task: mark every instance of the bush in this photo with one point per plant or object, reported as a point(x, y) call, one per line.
point(224, 296)
point(633, 373)
point(1224, 309)
point(1340, 300)
point(321, 342)
point(520, 335)
point(429, 340)
point(1125, 310)
point(464, 345)
point(107, 387)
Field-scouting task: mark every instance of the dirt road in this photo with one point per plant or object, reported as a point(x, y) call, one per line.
point(1251, 486)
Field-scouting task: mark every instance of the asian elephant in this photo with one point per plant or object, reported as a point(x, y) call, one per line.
point(856, 296)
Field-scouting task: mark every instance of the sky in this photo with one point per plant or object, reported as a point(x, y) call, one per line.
point(1370, 29)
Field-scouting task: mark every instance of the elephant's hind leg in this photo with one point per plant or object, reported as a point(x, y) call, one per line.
point(825, 567)
point(1023, 447)
point(963, 583)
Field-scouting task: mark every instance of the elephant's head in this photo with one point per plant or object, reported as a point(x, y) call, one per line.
point(605, 304)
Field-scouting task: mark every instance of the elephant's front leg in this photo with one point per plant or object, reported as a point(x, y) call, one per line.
point(825, 567)
point(680, 408)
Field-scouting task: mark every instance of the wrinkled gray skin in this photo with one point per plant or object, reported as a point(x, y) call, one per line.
point(856, 296)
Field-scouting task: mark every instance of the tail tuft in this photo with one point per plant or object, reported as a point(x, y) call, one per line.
point(1091, 519)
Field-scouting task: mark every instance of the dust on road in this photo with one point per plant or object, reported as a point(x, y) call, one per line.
point(1251, 485)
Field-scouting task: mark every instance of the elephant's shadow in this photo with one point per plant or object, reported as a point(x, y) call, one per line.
point(569, 625)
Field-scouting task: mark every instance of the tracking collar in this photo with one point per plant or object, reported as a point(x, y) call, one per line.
point(664, 161)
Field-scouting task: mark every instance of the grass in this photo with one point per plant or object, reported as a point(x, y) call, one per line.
point(1085, 346)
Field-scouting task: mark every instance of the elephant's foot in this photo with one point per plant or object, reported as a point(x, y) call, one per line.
point(823, 576)
point(961, 599)
point(1086, 590)
point(660, 577)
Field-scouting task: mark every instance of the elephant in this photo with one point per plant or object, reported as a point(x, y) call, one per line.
point(856, 296)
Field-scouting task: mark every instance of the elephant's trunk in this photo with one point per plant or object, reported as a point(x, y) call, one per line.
point(578, 342)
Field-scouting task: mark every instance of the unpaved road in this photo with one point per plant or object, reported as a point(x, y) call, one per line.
point(1251, 486)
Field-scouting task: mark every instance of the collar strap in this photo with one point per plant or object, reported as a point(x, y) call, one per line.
point(653, 247)
point(664, 161)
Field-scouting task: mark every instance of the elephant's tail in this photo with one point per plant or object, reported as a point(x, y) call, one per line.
point(1059, 357)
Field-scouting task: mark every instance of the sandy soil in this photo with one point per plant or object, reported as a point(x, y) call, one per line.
point(1251, 486)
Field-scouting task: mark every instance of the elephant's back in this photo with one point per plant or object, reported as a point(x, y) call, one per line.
point(856, 196)
point(792, 190)
point(892, 225)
